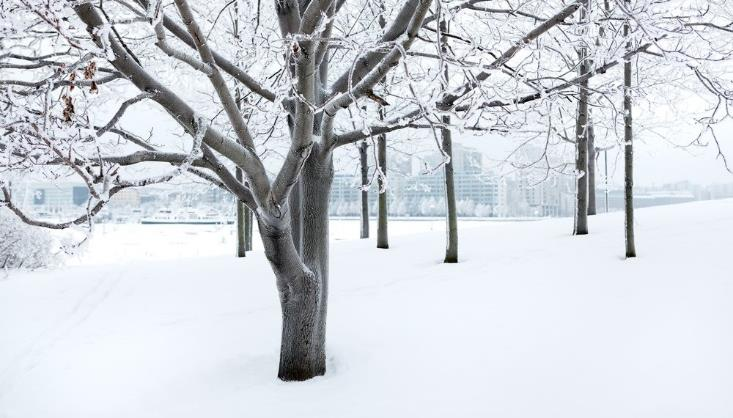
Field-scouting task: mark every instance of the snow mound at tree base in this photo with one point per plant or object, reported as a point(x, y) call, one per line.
point(531, 323)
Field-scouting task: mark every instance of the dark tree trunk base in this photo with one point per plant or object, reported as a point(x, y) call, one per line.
point(299, 375)
point(302, 347)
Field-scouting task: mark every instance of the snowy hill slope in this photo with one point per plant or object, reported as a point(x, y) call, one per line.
point(532, 323)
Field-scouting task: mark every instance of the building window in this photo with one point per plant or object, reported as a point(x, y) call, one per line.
point(80, 195)
point(39, 197)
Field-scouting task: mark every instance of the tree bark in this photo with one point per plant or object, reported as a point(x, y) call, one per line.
point(382, 238)
point(241, 223)
point(628, 154)
point(591, 169)
point(300, 293)
point(302, 274)
point(451, 248)
point(581, 140)
point(317, 180)
point(248, 226)
point(364, 164)
point(295, 204)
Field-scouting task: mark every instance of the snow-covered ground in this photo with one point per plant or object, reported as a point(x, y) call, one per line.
point(532, 323)
point(124, 243)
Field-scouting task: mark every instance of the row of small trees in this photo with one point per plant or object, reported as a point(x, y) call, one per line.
point(266, 94)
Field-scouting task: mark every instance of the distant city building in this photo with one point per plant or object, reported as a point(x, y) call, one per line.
point(552, 196)
point(126, 198)
point(465, 160)
point(415, 188)
point(414, 193)
point(51, 198)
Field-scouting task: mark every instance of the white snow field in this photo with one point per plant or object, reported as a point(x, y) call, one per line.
point(532, 323)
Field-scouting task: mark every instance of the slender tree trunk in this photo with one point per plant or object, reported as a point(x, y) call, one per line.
point(628, 153)
point(591, 169)
point(241, 223)
point(382, 238)
point(248, 225)
point(451, 249)
point(364, 233)
point(581, 164)
point(244, 215)
point(605, 178)
point(581, 140)
point(592, 154)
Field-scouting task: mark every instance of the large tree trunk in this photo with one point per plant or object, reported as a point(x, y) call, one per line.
point(317, 180)
point(382, 238)
point(451, 248)
point(300, 290)
point(302, 275)
point(302, 272)
point(591, 169)
point(581, 140)
point(628, 154)
point(364, 164)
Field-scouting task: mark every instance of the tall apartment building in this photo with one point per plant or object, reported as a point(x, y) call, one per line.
point(415, 193)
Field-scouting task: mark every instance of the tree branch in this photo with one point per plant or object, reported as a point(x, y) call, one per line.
point(449, 99)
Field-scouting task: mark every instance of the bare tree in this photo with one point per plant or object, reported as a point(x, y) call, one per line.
point(292, 207)
point(244, 214)
point(451, 248)
point(300, 263)
point(581, 132)
point(628, 150)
